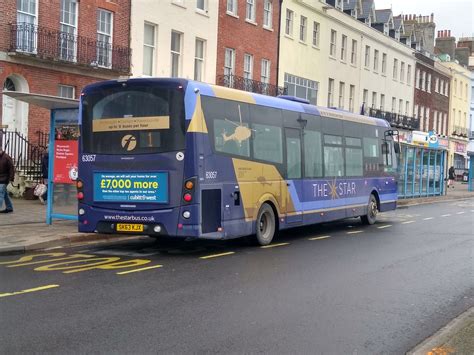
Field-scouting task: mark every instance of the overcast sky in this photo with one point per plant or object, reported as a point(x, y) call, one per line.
point(454, 15)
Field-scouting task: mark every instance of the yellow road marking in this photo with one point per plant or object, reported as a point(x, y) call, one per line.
point(27, 291)
point(446, 215)
point(217, 255)
point(461, 212)
point(138, 270)
point(354, 232)
point(408, 222)
point(319, 238)
point(428, 218)
point(385, 226)
point(274, 245)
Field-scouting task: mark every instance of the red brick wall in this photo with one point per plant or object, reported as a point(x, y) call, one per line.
point(7, 16)
point(248, 38)
point(49, 12)
point(435, 101)
point(45, 81)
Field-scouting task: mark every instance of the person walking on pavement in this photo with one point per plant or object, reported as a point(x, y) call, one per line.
point(451, 177)
point(44, 173)
point(7, 174)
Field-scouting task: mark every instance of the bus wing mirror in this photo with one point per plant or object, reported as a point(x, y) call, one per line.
point(396, 147)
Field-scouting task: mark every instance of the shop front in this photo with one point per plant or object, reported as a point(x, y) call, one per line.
point(422, 164)
point(459, 159)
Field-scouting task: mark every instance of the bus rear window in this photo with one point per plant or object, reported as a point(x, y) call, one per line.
point(134, 119)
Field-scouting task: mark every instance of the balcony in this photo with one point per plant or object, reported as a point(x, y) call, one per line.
point(396, 119)
point(460, 131)
point(258, 87)
point(52, 45)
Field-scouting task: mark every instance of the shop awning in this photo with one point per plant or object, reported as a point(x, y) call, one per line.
point(46, 101)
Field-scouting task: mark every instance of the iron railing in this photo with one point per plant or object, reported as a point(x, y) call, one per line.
point(241, 83)
point(50, 44)
point(26, 156)
point(396, 119)
point(42, 138)
point(460, 131)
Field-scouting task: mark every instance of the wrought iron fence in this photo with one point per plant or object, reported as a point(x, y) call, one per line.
point(42, 139)
point(241, 83)
point(460, 131)
point(26, 156)
point(396, 119)
point(50, 44)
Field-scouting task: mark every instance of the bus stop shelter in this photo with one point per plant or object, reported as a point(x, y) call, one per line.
point(62, 150)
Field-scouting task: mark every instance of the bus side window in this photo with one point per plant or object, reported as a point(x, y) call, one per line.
point(313, 161)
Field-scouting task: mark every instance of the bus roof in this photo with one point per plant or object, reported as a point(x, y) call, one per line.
point(249, 97)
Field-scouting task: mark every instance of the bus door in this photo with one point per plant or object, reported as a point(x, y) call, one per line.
point(294, 173)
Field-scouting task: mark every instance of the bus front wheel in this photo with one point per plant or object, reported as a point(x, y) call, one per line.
point(372, 211)
point(265, 225)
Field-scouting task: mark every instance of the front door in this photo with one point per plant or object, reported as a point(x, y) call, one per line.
point(293, 174)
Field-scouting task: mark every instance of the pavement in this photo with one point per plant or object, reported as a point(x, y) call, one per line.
point(25, 231)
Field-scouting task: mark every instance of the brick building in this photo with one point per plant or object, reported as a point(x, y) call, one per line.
point(247, 45)
point(431, 102)
point(56, 47)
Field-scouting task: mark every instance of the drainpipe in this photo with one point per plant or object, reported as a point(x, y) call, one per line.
point(278, 45)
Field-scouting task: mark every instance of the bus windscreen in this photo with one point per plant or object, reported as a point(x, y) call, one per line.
point(133, 119)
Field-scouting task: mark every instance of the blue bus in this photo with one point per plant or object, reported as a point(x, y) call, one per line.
point(179, 158)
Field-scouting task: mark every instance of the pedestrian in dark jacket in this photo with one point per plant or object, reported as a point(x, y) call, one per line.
point(451, 177)
point(44, 173)
point(7, 174)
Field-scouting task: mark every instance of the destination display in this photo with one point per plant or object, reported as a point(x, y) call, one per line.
point(131, 187)
point(131, 123)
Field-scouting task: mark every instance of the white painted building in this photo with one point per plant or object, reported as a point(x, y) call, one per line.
point(335, 60)
point(174, 38)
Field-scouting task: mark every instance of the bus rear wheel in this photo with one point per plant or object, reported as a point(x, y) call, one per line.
point(265, 225)
point(372, 211)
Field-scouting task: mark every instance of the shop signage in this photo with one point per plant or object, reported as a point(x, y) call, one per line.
point(459, 147)
point(65, 161)
point(433, 141)
point(420, 138)
point(443, 143)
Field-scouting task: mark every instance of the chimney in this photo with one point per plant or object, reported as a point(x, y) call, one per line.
point(445, 33)
point(432, 17)
point(449, 33)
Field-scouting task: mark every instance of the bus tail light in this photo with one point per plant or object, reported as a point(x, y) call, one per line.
point(188, 189)
point(80, 195)
point(79, 184)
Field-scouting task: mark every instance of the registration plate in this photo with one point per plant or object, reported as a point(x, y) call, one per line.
point(125, 227)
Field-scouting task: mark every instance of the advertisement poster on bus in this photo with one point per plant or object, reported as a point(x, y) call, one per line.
point(65, 161)
point(136, 187)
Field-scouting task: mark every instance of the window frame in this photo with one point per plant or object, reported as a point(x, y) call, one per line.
point(250, 10)
point(268, 14)
point(303, 28)
point(289, 18)
point(67, 87)
point(333, 43)
point(100, 33)
point(177, 54)
point(151, 46)
point(199, 60)
point(316, 34)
